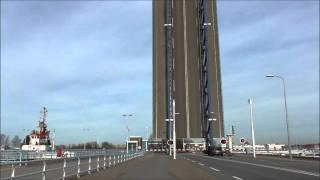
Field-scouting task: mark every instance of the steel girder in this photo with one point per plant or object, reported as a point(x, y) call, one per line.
point(205, 70)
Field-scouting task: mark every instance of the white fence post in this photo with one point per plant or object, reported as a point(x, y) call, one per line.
point(109, 161)
point(114, 160)
point(89, 168)
point(44, 170)
point(117, 159)
point(104, 162)
point(20, 158)
point(64, 168)
point(98, 163)
point(13, 172)
point(78, 171)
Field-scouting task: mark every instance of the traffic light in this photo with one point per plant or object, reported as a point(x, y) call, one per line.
point(242, 140)
point(223, 141)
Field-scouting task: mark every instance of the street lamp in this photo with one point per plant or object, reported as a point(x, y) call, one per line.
point(286, 110)
point(174, 139)
point(84, 144)
point(127, 115)
point(147, 138)
point(128, 130)
point(252, 128)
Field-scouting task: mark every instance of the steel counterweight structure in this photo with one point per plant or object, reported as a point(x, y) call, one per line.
point(186, 68)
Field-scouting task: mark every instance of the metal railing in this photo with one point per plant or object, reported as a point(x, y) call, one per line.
point(80, 165)
point(9, 156)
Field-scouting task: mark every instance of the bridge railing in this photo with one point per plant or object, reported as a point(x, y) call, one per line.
point(12, 156)
point(75, 166)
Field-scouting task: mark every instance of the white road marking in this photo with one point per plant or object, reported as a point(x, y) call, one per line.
point(194, 161)
point(214, 169)
point(236, 177)
point(201, 164)
point(267, 166)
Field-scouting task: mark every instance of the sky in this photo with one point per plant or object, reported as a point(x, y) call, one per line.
point(90, 62)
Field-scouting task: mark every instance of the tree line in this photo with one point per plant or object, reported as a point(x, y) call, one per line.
point(6, 142)
point(89, 145)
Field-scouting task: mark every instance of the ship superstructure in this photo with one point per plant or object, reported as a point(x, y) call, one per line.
point(39, 140)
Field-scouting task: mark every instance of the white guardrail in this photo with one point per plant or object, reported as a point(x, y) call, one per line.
point(102, 162)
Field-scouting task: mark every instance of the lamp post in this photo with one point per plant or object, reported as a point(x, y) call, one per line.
point(174, 139)
point(147, 138)
point(128, 130)
point(252, 128)
point(84, 144)
point(53, 139)
point(174, 130)
point(286, 110)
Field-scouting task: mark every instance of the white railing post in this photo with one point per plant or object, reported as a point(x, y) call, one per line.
point(64, 168)
point(78, 168)
point(20, 158)
point(104, 162)
point(89, 168)
point(98, 163)
point(118, 159)
point(44, 170)
point(114, 160)
point(13, 172)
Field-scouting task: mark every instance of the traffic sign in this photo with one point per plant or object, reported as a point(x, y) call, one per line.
point(242, 140)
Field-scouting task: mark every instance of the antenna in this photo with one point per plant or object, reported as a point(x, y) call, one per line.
point(43, 114)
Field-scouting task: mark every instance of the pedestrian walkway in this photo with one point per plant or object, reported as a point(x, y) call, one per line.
point(152, 166)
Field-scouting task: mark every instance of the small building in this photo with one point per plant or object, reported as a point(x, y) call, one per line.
point(134, 143)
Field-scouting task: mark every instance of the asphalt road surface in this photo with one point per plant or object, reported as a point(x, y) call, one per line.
point(244, 167)
point(200, 166)
point(186, 166)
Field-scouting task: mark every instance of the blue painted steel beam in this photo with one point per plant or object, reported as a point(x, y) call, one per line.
point(205, 70)
point(169, 66)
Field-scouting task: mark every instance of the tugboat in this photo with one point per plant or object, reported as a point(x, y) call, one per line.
point(39, 140)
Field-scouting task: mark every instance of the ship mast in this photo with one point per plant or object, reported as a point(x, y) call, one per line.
point(42, 124)
point(43, 114)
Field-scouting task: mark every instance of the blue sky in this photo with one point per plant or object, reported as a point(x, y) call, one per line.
point(89, 62)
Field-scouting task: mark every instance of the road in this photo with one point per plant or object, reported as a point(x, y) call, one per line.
point(186, 166)
point(244, 167)
point(200, 166)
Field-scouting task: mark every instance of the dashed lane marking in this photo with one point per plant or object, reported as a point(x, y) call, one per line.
point(214, 169)
point(236, 177)
point(201, 164)
point(268, 166)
